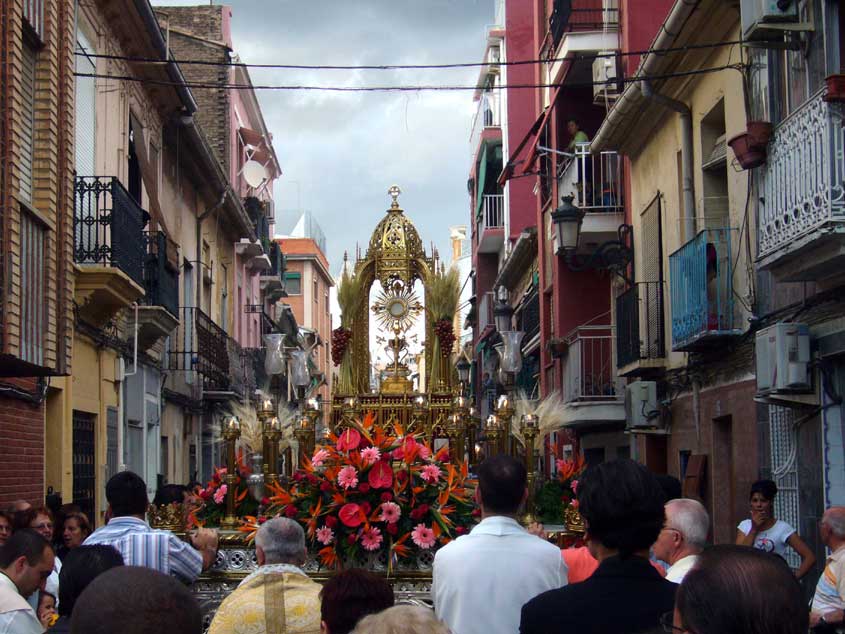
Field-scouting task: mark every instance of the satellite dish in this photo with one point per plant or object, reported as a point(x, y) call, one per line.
point(254, 173)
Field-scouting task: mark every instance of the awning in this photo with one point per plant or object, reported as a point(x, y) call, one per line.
point(507, 172)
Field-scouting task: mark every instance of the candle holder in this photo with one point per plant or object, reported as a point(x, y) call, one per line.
point(493, 432)
point(504, 411)
point(455, 430)
point(231, 433)
point(265, 409)
point(419, 414)
point(304, 434)
point(529, 425)
point(273, 433)
point(349, 411)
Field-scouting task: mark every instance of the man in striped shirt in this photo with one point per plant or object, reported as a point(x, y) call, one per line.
point(829, 601)
point(140, 545)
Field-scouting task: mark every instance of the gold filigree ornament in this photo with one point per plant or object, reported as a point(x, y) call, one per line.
point(573, 520)
point(169, 517)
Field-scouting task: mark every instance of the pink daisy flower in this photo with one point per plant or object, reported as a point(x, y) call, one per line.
point(390, 512)
point(423, 536)
point(370, 455)
point(371, 539)
point(430, 473)
point(325, 535)
point(319, 457)
point(220, 494)
point(348, 477)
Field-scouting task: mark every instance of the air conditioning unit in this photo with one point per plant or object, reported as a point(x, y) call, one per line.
point(494, 55)
point(641, 409)
point(783, 359)
point(767, 19)
point(604, 70)
point(270, 211)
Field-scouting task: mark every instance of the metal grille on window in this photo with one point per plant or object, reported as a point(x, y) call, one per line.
point(84, 476)
point(33, 279)
point(651, 293)
point(784, 448)
point(26, 130)
point(111, 442)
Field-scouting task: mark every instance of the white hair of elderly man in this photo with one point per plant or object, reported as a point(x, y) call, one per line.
point(280, 541)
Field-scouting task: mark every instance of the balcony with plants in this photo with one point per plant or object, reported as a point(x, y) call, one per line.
point(108, 247)
point(801, 215)
point(701, 292)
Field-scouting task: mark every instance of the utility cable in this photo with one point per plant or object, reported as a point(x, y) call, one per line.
point(575, 57)
point(421, 88)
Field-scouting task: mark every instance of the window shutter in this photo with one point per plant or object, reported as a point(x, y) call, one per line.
point(27, 120)
point(86, 105)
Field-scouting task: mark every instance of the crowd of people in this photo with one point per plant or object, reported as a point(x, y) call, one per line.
point(646, 566)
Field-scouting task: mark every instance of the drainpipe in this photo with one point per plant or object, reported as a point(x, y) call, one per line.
point(121, 466)
point(200, 218)
point(686, 153)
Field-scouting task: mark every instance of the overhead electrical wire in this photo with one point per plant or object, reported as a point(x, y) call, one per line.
point(575, 57)
point(421, 88)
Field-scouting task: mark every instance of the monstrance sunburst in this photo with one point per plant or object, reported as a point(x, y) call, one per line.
point(397, 307)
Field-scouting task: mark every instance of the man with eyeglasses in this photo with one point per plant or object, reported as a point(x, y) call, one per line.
point(26, 560)
point(683, 537)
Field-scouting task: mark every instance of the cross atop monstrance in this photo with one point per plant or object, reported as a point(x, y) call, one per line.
point(394, 191)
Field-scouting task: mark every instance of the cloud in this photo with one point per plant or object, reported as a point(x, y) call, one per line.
point(341, 151)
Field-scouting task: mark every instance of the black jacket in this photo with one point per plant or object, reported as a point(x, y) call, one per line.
point(623, 596)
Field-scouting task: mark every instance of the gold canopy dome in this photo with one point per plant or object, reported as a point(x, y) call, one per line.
point(395, 246)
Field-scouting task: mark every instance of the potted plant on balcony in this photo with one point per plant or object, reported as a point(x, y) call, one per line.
point(750, 146)
point(835, 88)
point(557, 346)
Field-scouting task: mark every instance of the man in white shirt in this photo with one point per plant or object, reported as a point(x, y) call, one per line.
point(683, 536)
point(482, 580)
point(828, 607)
point(26, 560)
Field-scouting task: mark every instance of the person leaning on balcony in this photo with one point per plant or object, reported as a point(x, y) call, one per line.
point(279, 596)
point(139, 544)
point(766, 533)
point(576, 134)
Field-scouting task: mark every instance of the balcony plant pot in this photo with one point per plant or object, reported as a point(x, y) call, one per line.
point(748, 153)
point(759, 133)
point(557, 347)
point(835, 88)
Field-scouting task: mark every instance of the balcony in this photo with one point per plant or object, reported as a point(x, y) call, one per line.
point(580, 26)
point(485, 311)
point(108, 247)
point(593, 393)
point(487, 116)
point(157, 315)
point(595, 182)
point(640, 328)
point(491, 223)
point(529, 322)
point(701, 289)
point(801, 217)
point(272, 280)
point(201, 346)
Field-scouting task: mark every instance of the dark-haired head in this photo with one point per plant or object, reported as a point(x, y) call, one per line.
point(27, 559)
point(671, 486)
point(622, 503)
point(501, 485)
point(351, 595)
point(126, 493)
point(767, 488)
point(741, 590)
point(135, 600)
point(79, 568)
point(170, 494)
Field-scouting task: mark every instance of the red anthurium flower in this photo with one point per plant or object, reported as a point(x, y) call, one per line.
point(349, 439)
point(350, 514)
point(380, 476)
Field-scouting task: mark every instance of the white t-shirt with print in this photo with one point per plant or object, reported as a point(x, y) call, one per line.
point(771, 540)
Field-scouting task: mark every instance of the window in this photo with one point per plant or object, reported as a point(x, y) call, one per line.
point(85, 119)
point(293, 283)
point(316, 291)
point(33, 279)
point(328, 304)
point(27, 120)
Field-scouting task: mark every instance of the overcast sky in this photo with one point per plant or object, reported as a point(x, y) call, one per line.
point(340, 152)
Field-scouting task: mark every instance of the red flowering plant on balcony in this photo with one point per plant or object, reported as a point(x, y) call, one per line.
point(373, 489)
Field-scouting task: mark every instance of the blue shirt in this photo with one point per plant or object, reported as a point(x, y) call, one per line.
point(143, 546)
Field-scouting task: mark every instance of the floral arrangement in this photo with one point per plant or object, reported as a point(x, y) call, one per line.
point(556, 496)
point(211, 499)
point(373, 489)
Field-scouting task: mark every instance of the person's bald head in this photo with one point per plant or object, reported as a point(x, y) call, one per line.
point(833, 525)
point(134, 600)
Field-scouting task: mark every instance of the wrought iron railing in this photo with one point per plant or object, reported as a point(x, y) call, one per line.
point(803, 181)
point(492, 212)
point(253, 308)
point(254, 372)
point(277, 260)
point(640, 324)
point(581, 15)
point(589, 373)
point(701, 289)
point(594, 180)
point(488, 115)
point(161, 272)
point(201, 346)
point(529, 317)
point(108, 226)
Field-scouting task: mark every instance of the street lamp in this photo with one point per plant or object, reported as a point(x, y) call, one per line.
point(614, 255)
point(502, 314)
point(463, 367)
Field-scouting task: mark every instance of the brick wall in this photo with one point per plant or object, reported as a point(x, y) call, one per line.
point(21, 448)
